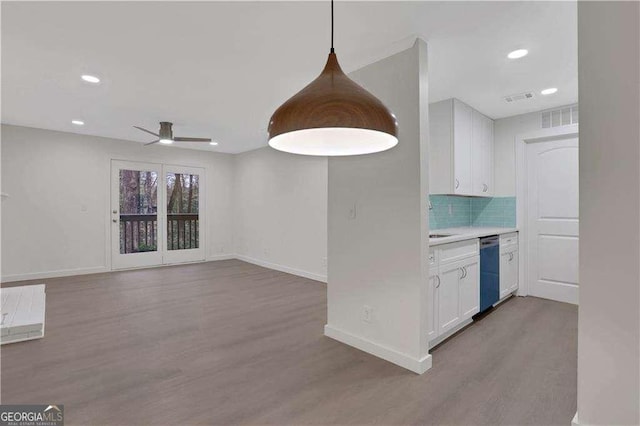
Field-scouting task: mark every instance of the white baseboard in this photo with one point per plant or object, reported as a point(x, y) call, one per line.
point(403, 360)
point(101, 269)
point(220, 257)
point(54, 274)
point(282, 268)
point(574, 422)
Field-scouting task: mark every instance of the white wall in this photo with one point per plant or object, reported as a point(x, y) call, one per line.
point(378, 258)
point(609, 311)
point(50, 175)
point(280, 206)
point(504, 160)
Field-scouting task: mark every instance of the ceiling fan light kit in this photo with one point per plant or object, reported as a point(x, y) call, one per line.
point(333, 116)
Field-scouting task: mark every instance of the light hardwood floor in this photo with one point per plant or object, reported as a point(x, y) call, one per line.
point(232, 343)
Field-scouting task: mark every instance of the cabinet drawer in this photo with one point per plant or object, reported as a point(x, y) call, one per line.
point(508, 241)
point(460, 250)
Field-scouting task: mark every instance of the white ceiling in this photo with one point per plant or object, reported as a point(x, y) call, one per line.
point(220, 69)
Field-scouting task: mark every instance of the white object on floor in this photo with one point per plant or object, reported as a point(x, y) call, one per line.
point(22, 313)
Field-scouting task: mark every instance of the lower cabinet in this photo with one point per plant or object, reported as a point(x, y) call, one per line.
point(454, 288)
point(508, 272)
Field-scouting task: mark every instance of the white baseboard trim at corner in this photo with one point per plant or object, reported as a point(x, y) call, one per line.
point(418, 366)
point(54, 274)
point(282, 268)
point(574, 421)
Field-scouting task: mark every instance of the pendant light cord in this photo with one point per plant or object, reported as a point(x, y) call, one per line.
point(332, 26)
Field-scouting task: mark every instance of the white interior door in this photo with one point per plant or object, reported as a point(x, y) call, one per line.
point(156, 214)
point(185, 201)
point(552, 219)
point(136, 195)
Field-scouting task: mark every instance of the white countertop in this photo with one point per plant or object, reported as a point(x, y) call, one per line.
point(466, 233)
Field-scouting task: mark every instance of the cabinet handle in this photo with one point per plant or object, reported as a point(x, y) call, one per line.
point(438, 277)
point(510, 256)
point(485, 188)
point(464, 272)
point(457, 183)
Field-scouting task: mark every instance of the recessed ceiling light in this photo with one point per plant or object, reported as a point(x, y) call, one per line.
point(77, 122)
point(516, 54)
point(549, 91)
point(166, 141)
point(90, 78)
point(213, 143)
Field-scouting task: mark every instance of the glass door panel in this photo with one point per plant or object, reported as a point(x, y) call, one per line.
point(138, 211)
point(184, 197)
point(135, 221)
point(182, 211)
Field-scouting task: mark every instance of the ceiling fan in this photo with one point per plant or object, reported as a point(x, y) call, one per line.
point(165, 135)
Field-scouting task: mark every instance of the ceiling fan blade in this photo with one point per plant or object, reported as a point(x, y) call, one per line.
point(151, 143)
point(148, 131)
point(178, 139)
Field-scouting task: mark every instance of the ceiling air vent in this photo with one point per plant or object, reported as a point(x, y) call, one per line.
point(518, 97)
point(559, 117)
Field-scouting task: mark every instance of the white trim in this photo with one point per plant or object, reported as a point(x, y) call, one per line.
point(217, 257)
point(282, 268)
point(574, 421)
point(214, 258)
point(55, 274)
point(521, 142)
point(418, 366)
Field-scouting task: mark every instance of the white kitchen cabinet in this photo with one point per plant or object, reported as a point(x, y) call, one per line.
point(449, 296)
point(508, 272)
point(508, 264)
point(460, 150)
point(470, 288)
point(454, 287)
point(482, 155)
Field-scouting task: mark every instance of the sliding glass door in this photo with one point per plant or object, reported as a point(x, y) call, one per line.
point(155, 214)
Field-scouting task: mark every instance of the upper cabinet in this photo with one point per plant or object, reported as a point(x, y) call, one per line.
point(460, 150)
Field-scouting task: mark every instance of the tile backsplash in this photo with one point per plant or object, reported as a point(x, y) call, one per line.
point(451, 211)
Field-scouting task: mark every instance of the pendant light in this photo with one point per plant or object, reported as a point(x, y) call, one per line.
point(333, 116)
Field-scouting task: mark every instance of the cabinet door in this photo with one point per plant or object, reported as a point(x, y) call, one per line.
point(477, 154)
point(462, 139)
point(449, 296)
point(432, 304)
point(482, 155)
point(508, 272)
point(488, 157)
point(470, 288)
point(513, 271)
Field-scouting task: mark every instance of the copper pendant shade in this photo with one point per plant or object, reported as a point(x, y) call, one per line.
point(333, 116)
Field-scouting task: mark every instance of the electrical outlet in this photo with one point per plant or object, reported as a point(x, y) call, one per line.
point(367, 313)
